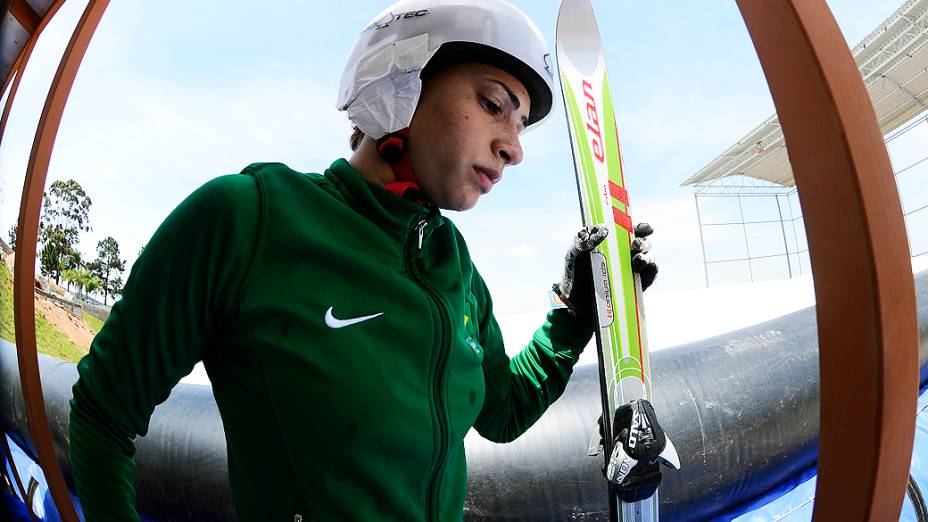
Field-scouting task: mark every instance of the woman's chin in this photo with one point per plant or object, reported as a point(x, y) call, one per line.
point(459, 202)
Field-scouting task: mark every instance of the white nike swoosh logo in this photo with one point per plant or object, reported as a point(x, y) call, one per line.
point(332, 322)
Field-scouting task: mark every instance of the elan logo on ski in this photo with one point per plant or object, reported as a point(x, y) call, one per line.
point(592, 123)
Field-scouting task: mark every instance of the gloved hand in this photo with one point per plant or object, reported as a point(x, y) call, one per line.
point(639, 447)
point(576, 286)
point(643, 262)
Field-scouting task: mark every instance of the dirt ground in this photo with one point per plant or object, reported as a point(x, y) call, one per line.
point(74, 328)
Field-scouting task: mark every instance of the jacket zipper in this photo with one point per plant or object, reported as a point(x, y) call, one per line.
point(420, 229)
point(435, 474)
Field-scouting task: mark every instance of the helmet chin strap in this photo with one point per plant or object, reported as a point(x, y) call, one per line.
point(393, 149)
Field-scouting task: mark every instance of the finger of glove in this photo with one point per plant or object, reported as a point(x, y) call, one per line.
point(589, 238)
point(570, 264)
point(640, 245)
point(646, 268)
point(641, 262)
point(643, 230)
point(580, 299)
point(579, 246)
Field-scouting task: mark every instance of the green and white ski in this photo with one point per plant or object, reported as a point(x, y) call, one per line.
point(625, 372)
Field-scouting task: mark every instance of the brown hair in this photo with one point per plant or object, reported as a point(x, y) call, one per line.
point(355, 140)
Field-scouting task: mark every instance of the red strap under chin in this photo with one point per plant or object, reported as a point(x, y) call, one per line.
point(392, 148)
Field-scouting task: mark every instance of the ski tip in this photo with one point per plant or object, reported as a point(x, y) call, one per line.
point(575, 18)
point(577, 35)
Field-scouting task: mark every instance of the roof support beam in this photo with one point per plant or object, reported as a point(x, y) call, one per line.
point(25, 15)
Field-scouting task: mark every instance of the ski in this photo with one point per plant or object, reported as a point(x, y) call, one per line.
point(625, 372)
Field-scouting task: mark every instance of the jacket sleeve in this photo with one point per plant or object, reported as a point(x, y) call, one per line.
point(181, 290)
point(520, 389)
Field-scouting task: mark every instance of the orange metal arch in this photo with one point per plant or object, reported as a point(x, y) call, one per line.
point(16, 72)
point(868, 337)
point(27, 235)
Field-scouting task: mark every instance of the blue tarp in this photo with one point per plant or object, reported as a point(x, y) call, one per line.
point(793, 503)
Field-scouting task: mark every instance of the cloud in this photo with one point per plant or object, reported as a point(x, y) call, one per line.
point(522, 250)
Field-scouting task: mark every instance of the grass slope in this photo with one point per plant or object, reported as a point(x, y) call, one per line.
point(50, 341)
point(93, 323)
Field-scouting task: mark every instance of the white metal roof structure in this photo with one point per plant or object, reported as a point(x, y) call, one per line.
point(893, 62)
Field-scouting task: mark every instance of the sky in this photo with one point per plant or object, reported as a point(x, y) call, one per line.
point(172, 94)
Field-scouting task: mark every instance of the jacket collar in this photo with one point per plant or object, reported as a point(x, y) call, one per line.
point(377, 203)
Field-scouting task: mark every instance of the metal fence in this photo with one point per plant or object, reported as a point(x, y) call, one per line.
point(751, 230)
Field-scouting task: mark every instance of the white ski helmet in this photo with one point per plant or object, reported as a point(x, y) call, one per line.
point(380, 86)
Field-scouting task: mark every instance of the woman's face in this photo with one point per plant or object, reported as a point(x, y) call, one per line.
point(466, 131)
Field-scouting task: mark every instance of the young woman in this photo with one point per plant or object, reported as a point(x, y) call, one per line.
point(349, 339)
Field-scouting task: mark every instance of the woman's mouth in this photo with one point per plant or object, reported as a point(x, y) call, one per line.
point(486, 178)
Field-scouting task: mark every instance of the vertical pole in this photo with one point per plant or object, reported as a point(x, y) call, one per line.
point(792, 221)
point(702, 242)
point(789, 265)
point(744, 230)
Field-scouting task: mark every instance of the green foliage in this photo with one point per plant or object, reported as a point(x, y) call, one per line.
point(53, 254)
point(108, 268)
point(114, 288)
point(83, 278)
point(50, 340)
point(7, 331)
point(66, 208)
point(65, 213)
point(12, 234)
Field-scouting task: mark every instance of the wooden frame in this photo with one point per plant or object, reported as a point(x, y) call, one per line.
point(865, 292)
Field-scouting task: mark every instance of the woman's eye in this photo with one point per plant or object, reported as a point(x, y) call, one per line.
point(491, 106)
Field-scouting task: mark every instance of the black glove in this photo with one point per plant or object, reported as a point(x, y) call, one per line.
point(641, 483)
point(639, 446)
point(643, 262)
point(576, 286)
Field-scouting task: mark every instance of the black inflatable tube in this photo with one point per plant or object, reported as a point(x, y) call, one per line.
point(742, 409)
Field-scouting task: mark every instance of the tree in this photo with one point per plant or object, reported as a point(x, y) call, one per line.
point(13, 236)
point(69, 275)
point(65, 213)
point(114, 289)
point(70, 262)
point(92, 284)
point(108, 267)
point(83, 280)
point(53, 255)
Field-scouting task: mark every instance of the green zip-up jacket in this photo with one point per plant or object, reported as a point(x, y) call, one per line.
point(260, 276)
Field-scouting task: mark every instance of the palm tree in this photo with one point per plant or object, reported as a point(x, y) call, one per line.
point(83, 279)
point(92, 284)
point(70, 275)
